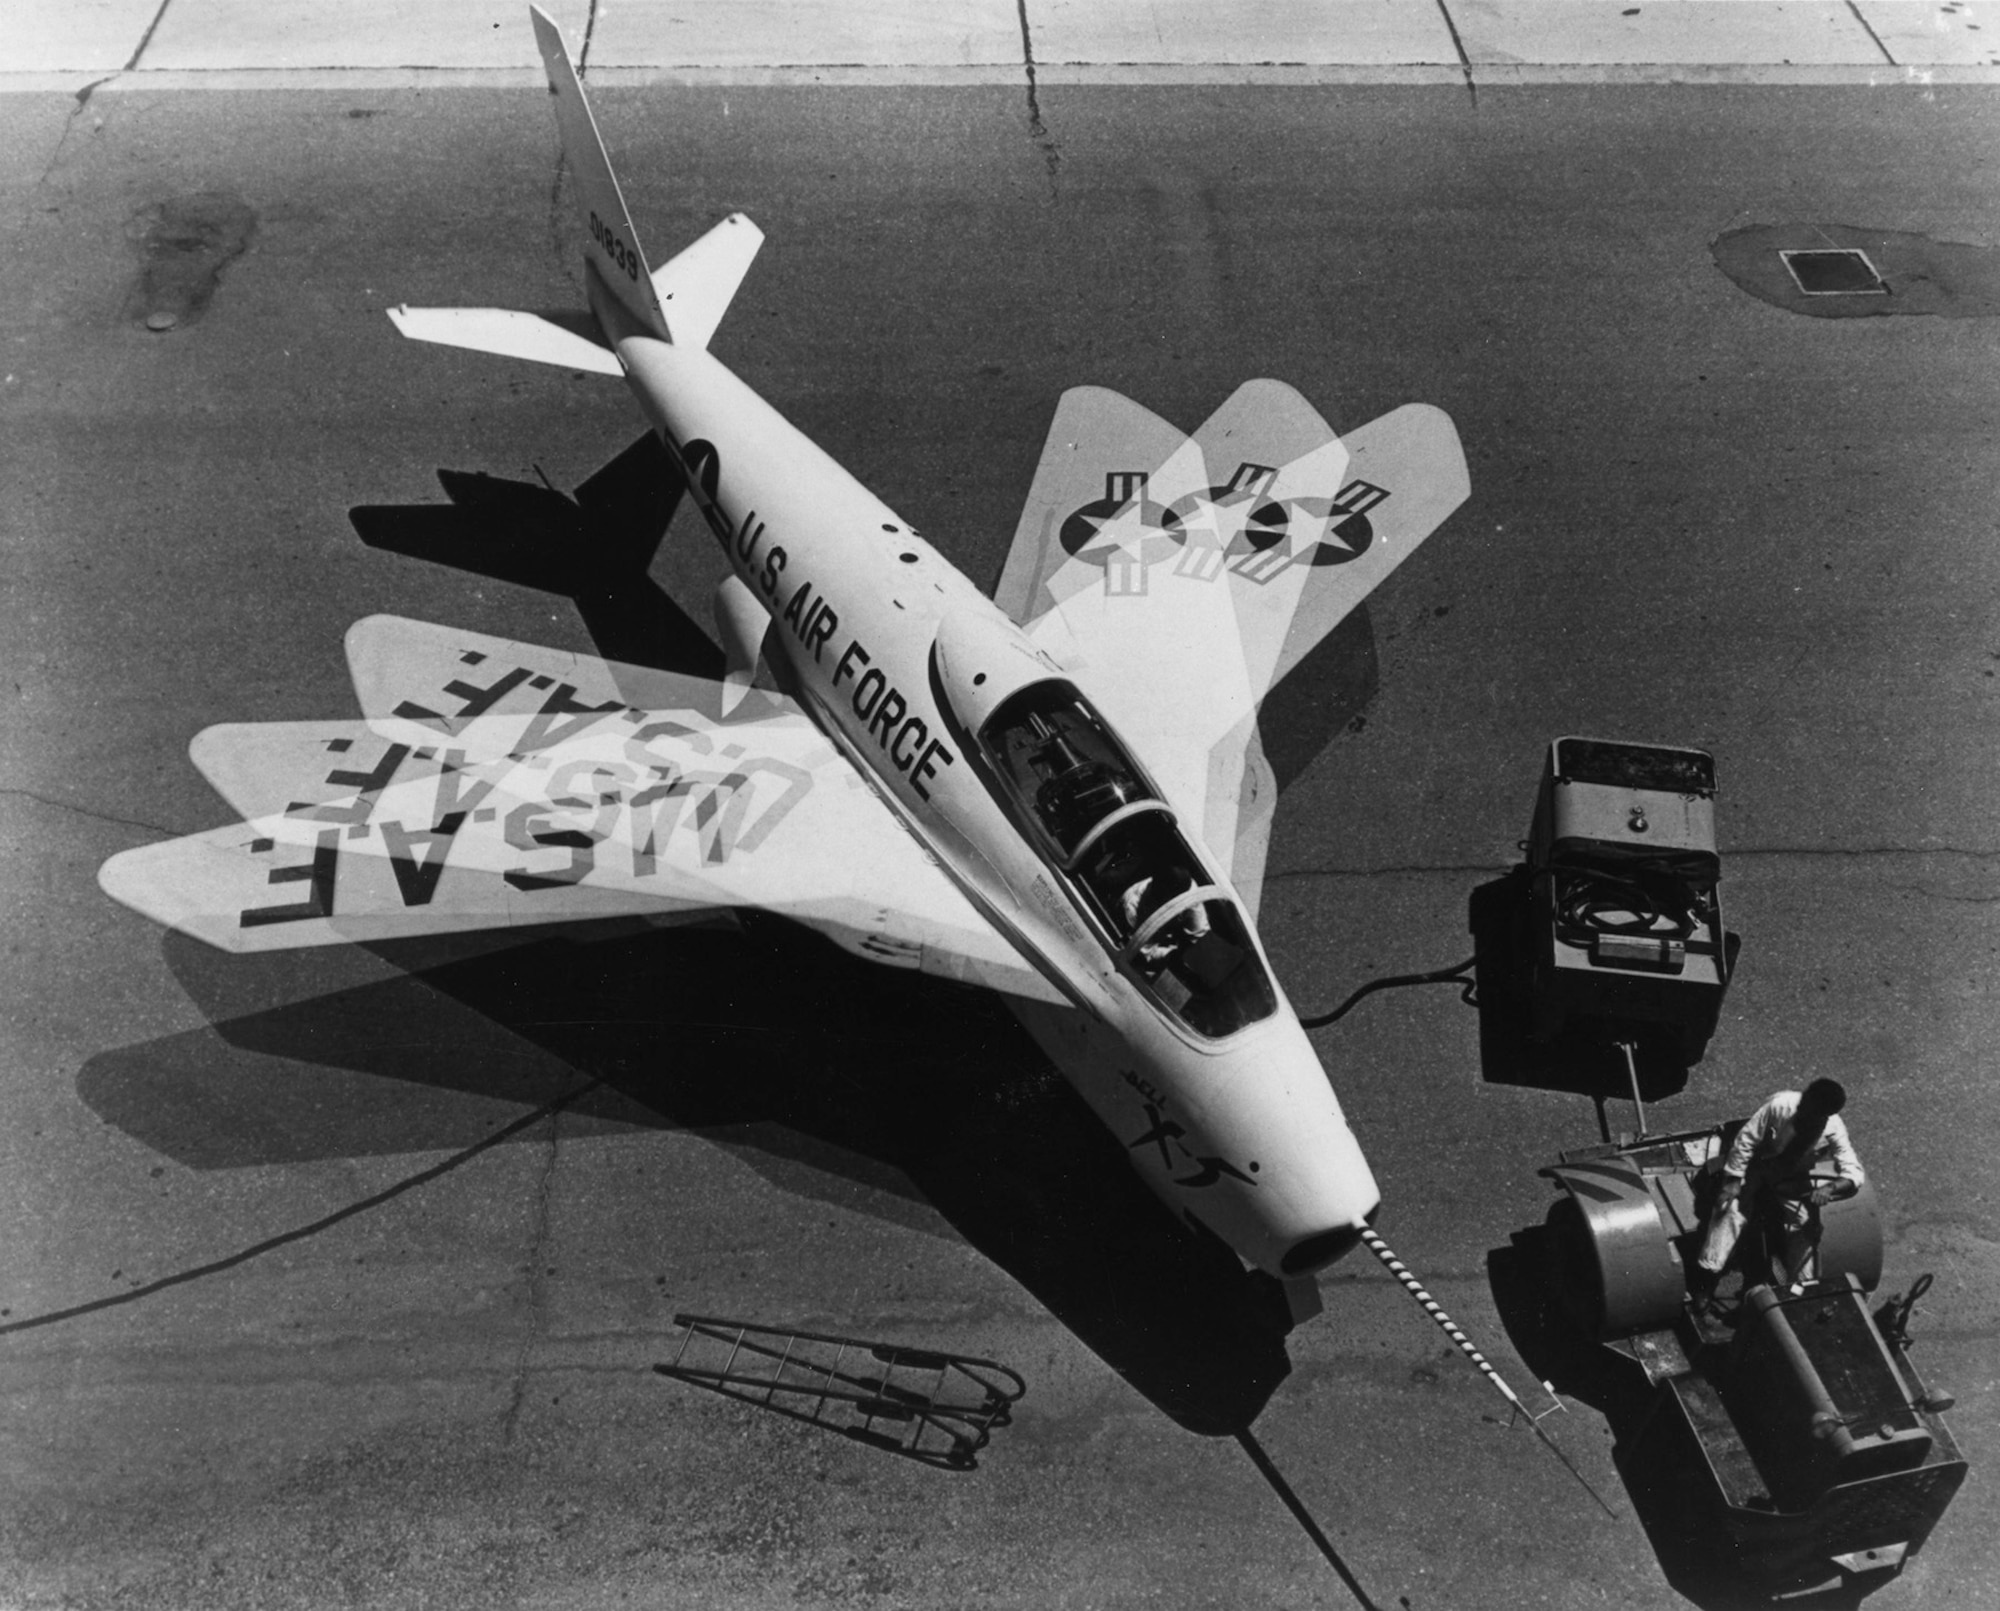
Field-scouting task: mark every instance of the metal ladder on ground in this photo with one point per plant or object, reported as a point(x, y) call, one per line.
point(934, 1407)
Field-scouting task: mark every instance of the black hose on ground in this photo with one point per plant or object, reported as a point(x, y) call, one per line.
point(1457, 975)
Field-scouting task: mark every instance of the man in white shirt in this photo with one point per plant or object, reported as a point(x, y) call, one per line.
point(1791, 1157)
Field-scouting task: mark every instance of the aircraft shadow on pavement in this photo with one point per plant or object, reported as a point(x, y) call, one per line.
point(593, 549)
point(1686, 1536)
point(1584, 1058)
point(815, 1068)
point(834, 1078)
point(1320, 697)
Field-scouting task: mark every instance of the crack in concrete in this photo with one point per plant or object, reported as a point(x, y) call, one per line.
point(558, 242)
point(1038, 131)
point(548, 1110)
point(1869, 29)
point(146, 38)
point(1759, 852)
point(1458, 44)
point(538, 1292)
point(1863, 852)
point(1297, 874)
point(69, 126)
point(98, 816)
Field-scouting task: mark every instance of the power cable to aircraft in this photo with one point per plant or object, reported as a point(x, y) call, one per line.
point(1453, 975)
point(1463, 1343)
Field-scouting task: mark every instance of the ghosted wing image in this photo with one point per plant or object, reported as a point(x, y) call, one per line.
point(1192, 573)
point(1059, 794)
point(494, 784)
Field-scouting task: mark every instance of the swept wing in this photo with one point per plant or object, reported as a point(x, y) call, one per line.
point(510, 785)
point(1191, 573)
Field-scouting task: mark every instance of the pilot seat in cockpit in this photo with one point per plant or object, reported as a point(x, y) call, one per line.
point(1115, 842)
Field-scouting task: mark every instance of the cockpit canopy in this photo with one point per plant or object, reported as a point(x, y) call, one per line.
point(1067, 779)
point(1059, 762)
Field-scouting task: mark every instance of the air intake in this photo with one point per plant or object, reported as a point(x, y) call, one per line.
point(1317, 1251)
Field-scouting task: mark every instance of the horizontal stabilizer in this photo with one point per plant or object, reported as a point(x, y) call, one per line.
point(511, 334)
point(696, 288)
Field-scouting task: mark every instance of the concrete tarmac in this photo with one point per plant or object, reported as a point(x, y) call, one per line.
point(1697, 517)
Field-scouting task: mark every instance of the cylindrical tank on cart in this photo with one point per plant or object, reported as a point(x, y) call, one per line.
point(1613, 1260)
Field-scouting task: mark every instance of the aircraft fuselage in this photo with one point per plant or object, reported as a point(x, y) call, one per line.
point(1233, 1123)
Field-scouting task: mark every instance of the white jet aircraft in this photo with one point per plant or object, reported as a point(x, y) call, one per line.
point(1059, 793)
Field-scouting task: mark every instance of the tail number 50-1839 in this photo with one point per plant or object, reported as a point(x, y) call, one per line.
point(614, 247)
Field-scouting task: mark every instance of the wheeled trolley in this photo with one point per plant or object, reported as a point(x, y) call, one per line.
point(1624, 913)
point(1799, 1446)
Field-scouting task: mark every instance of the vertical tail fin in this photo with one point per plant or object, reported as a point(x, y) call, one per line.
point(613, 246)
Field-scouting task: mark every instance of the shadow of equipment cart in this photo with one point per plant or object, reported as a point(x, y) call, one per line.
point(1792, 1451)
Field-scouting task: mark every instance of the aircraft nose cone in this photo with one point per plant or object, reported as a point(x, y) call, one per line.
point(1343, 1200)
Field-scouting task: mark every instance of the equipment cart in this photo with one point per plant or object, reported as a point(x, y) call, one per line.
point(1795, 1448)
point(1624, 917)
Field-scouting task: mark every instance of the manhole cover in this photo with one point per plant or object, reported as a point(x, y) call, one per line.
point(1844, 272)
